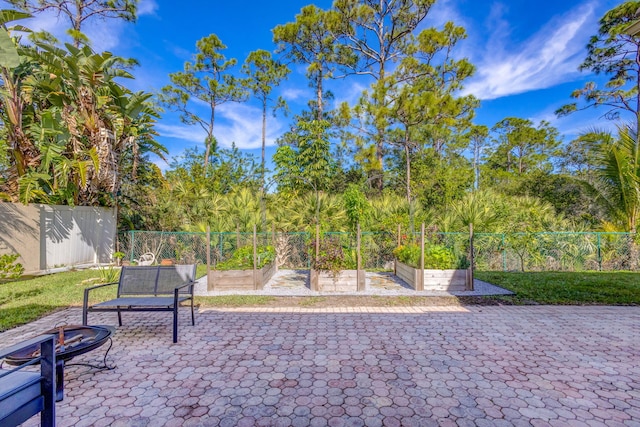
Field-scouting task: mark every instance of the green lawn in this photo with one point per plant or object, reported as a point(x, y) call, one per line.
point(25, 300)
point(609, 288)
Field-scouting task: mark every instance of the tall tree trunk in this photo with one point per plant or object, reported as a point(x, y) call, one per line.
point(319, 94)
point(209, 141)
point(264, 142)
point(407, 153)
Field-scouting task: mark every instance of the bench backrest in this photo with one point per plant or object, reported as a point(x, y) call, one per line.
point(155, 280)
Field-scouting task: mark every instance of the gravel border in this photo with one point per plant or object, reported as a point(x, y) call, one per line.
point(480, 289)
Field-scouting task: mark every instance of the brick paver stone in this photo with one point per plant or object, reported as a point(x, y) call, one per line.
point(484, 366)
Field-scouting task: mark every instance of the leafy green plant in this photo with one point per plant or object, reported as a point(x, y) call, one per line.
point(109, 274)
point(408, 254)
point(118, 256)
point(436, 257)
point(242, 258)
point(333, 257)
point(9, 268)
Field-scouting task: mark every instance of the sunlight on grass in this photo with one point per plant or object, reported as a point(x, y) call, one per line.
point(25, 300)
point(234, 300)
point(614, 288)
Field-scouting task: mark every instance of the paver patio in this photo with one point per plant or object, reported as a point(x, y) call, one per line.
point(413, 366)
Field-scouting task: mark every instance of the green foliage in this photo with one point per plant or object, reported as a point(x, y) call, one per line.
point(612, 52)
point(436, 257)
point(206, 79)
point(356, 206)
point(79, 13)
point(334, 256)
point(242, 258)
point(109, 274)
point(620, 175)
point(440, 258)
point(519, 149)
point(408, 254)
point(9, 268)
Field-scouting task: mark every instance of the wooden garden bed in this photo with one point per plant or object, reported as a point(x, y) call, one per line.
point(240, 280)
point(342, 281)
point(434, 280)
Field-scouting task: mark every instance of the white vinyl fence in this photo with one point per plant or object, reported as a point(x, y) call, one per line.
point(48, 237)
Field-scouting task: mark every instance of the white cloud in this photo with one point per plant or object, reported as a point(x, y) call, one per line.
point(147, 7)
point(104, 34)
point(235, 123)
point(549, 57)
point(348, 92)
point(186, 133)
point(242, 125)
point(294, 94)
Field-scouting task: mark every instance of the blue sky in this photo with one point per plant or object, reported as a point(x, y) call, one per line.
point(526, 54)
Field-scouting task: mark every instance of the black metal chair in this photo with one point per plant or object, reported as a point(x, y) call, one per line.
point(23, 393)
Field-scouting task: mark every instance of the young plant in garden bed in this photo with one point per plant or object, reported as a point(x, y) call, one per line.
point(333, 257)
point(242, 258)
point(436, 257)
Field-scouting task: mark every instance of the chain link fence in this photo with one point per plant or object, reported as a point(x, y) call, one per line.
point(546, 251)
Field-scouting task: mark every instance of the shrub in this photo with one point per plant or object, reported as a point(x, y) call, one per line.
point(333, 257)
point(408, 254)
point(9, 268)
point(436, 257)
point(242, 258)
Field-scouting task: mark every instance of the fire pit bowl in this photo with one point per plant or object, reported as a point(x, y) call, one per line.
point(72, 341)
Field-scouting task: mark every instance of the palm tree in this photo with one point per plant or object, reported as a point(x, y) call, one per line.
point(620, 176)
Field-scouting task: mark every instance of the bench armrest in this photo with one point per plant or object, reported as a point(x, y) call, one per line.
point(100, 286)
point(85, 300)
point(177, 288)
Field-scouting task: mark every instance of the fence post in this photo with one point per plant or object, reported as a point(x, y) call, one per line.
point(399, 234)
point(255, 258)
point(317, 242)
point(599, 254)
point(133, 244)
point(504, 254)
point(221, 247)
point(209, 284)
point(420, 284)
point(273, 234)
point(359, 273)
point(471, 259)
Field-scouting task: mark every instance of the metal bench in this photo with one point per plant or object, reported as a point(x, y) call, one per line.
point(23, 394)
point(148, 288)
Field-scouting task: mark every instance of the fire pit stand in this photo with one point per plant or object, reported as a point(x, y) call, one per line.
point(73, 340)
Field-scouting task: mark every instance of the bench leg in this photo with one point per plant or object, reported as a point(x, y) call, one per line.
point(119, 318)
point(48, 366)
point(193, 318)
point(175, 323)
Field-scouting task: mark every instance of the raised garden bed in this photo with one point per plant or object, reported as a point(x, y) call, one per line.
point(434, 280)
point(340, 281)
point(241, 280)
point(248, 269)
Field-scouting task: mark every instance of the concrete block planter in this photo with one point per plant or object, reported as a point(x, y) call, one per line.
point(434, 280)
point(342, 281)
point(241, 280)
